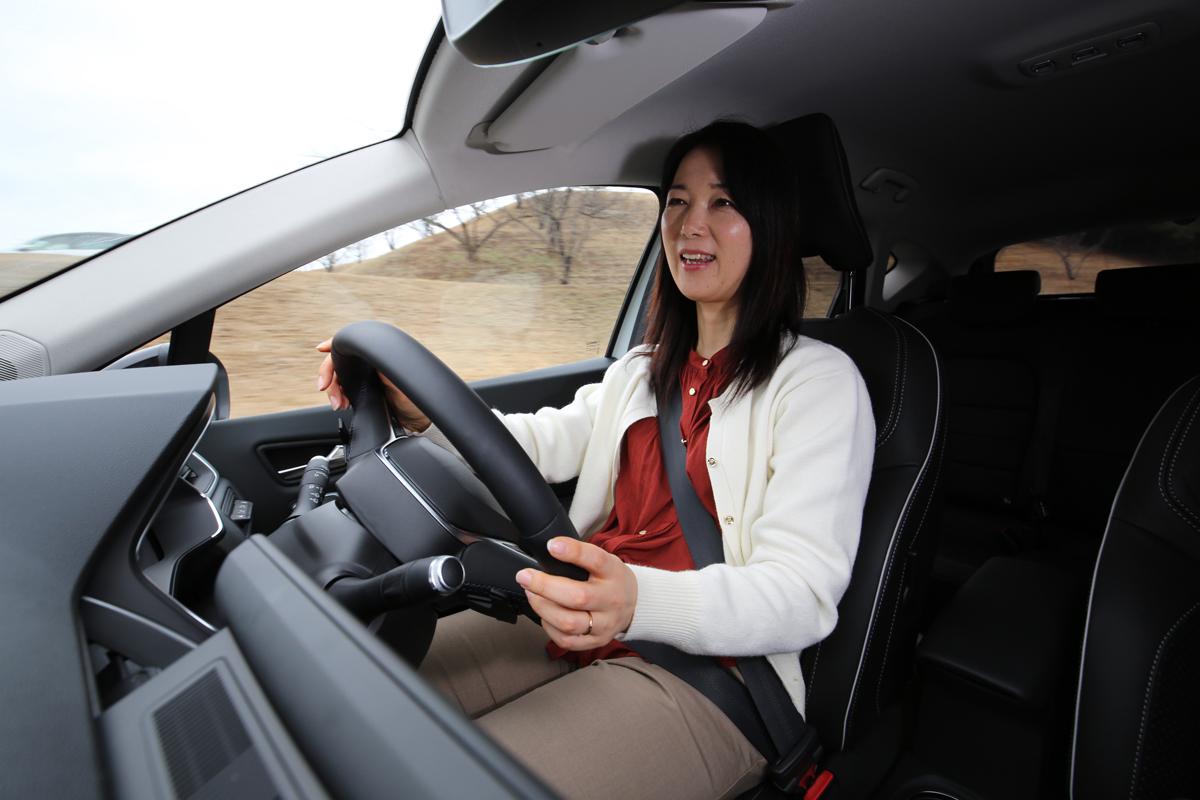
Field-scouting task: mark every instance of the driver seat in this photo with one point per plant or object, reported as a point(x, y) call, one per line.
point(855, 677)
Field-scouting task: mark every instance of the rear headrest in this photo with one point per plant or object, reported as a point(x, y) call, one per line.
point(993, 297)
point(1168, 292)
point(833, 228)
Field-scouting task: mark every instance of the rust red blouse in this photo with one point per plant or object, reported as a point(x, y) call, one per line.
point(643, 527)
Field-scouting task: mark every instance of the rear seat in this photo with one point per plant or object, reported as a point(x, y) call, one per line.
point(1143, 344)
point(1088, 374)
point(1047, 398)
point(988, 338)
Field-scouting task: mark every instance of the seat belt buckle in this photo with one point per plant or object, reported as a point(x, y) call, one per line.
point(798, 772)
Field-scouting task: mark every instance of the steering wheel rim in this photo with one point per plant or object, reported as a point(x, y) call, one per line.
point(363, 348)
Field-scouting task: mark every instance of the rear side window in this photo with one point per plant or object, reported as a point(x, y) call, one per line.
point(1069, 263)
point(492, 288)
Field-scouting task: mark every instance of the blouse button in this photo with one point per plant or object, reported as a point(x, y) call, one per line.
point(712, 462)
point(641, 533)
point(692, 391)
point(728, 520)
point(704, 363)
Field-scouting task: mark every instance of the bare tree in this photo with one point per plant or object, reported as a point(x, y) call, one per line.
point(392, 236)
point(475, 226)
point(563, 218)
point(331, 260)
point(360, 250)
point(1076, 248)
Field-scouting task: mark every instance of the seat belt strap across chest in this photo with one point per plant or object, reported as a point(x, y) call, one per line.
point(761, 708)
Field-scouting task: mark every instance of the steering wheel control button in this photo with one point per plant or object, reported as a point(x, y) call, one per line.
point(242, 511)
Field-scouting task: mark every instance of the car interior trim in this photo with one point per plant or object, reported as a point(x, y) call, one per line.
point(466, 537)
point(616, 75)
point(140, 620)
point(414, 93)
point(216, 476)
point(205, 624)
point(903, 517)
point(633, 313)
point(1092, 592)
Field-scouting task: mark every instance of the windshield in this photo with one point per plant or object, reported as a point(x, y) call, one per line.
point(121, 116)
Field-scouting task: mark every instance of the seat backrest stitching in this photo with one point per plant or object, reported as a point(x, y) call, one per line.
point(880, 590)
point(896, 401)
point(1137, 757)
point(887, 647)
point(812, 673)
point(1174, 445)
point(1099, 561)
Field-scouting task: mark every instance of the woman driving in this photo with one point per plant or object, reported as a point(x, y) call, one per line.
point(777, 437)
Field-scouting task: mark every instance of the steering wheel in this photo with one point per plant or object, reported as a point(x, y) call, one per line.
point(362, 349)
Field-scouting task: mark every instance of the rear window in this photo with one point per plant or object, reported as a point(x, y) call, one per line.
point(1069, 263)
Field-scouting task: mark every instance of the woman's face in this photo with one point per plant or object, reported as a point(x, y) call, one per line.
point(706, 239)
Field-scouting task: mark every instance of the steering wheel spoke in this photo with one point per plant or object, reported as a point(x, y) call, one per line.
point(362, 351)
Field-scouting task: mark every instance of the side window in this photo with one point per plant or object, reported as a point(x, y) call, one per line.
point(492, 288)
point(822, 283)
point(1069, 263)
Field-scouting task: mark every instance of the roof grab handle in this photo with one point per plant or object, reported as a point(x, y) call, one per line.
point(900, 186)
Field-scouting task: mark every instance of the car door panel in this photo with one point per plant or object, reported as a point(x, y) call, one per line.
point(261, 454)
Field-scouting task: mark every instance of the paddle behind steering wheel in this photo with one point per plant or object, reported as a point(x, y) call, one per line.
point(363, 348)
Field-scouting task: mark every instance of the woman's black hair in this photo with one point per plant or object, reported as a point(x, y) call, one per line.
point(771, 298)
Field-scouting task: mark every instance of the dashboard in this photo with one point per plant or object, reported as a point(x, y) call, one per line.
point(135, 668)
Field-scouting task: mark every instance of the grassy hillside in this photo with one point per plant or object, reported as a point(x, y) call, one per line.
point(21, 269)
point(517, 253)
point(504, 312)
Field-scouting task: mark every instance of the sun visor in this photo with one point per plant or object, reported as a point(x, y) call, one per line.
point(594, 83)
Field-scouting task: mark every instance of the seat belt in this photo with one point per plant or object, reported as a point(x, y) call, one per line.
point(760, 708)
point(1035, 478)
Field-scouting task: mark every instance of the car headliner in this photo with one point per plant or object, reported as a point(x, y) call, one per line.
point(928, 88)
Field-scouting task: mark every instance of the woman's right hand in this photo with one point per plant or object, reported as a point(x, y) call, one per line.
point(405, 410)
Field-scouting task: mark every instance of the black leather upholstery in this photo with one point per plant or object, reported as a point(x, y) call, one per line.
point(833, 228)
point(1004, 631)
point(993, 353)
point(1137, 726)
point(865, 662)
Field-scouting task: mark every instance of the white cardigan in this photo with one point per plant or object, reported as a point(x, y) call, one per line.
point(790, 463)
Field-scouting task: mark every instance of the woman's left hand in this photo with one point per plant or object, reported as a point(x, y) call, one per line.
point(579, 615)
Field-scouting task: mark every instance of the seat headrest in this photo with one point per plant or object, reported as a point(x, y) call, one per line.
point(1167, 292)
point(993, 297)
point(833, 228)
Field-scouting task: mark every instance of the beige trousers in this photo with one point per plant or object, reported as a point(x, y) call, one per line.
point(621, 728)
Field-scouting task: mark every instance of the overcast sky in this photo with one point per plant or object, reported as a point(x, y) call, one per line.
point(121, 115)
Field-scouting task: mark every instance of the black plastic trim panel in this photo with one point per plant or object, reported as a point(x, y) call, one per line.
point(326, 676)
